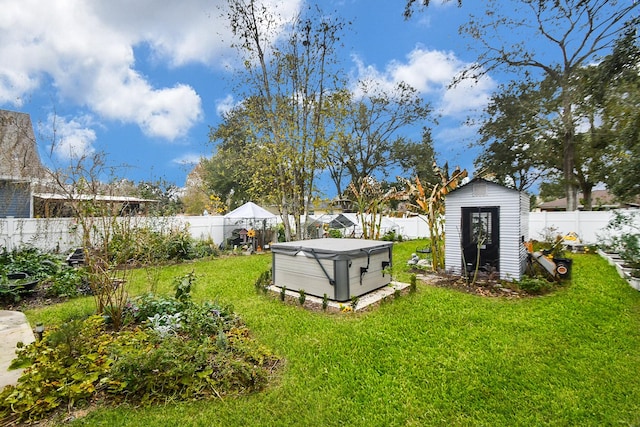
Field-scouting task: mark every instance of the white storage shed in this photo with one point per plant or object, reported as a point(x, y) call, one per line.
point(486, 225)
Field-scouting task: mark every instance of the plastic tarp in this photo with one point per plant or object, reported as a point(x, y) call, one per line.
point(334, 221)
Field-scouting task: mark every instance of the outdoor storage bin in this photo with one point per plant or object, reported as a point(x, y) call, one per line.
point(340, 268)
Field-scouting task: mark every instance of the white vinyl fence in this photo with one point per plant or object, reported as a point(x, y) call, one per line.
point(589, 226)
point(51, 235)
point(62, 234)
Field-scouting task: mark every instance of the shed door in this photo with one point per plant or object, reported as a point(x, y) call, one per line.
point(481, 232)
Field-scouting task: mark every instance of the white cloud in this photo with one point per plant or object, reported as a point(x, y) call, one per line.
point(456, 136)
point(90, 61)
point(225, 105)
point(426, 70)
point(468, 96)
point(73, 138)
point(188, 159)
point(86, 48)
point(431, 73)
point(177, 32)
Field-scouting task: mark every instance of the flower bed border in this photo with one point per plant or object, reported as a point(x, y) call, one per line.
point(615, 260)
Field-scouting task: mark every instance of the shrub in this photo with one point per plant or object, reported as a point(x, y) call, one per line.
point(183, 351)
point(61, 370)
point(392, 236)
point(67, 282)
point(9, 294)
point(144, 245)
point(335, 234)
point(281, 233)
point(630, 251)
point(203, 249)
point(32, 261)
point(148, 305)
point(263, 282)
point(535, 285)
point(179, 244)
point(183, 285)
point(627, 239)
point(57, 279)
point(210, 319)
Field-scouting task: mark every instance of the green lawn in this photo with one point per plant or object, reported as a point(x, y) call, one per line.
point(437, 357)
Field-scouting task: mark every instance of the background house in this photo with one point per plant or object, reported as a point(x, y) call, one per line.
point(26, 187)
point(20, 166)
point(601, 200)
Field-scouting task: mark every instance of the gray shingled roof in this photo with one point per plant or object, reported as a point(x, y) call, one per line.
point(19, 157)
point(600, 199)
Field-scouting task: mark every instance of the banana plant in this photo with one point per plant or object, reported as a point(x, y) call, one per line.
point(429, 201)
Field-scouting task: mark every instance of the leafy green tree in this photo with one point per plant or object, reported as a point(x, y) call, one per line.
point(416, 159)
point(166, 195)
point(591, 148)
point(199, 197)
point(514, 137)
point(553, 39)
point(552, 188)
point(607, 112)
point(617, 92)
point(288, 78)
point(521, 133)
point(370, 140)
point(228, 172)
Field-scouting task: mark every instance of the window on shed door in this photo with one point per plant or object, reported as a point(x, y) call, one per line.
point(481, 230)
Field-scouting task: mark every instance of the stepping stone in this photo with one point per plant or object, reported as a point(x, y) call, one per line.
point(14, 327)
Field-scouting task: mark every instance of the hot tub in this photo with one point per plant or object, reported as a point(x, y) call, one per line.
point(340, 268)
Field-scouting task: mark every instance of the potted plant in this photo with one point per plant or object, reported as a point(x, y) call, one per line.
point(13, 285)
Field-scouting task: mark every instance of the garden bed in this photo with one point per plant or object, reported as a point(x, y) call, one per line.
point(486, 286)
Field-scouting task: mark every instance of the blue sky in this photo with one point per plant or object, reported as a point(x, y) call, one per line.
point(142, 81)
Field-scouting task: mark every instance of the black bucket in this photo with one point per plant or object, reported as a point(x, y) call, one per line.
point(563, 267)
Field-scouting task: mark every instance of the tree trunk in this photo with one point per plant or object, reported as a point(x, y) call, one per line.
point(568, 164)
point(569, 152)
point(586, 195)
point(284, 214)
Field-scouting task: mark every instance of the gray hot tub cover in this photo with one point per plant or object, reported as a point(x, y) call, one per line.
point(334, 249)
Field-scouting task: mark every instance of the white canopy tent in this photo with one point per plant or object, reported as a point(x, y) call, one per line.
point(249, 225)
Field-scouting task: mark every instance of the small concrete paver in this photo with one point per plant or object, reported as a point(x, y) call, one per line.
point(14, 327)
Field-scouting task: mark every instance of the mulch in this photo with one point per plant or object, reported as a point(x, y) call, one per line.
point(485, 285)
point(34, 299)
